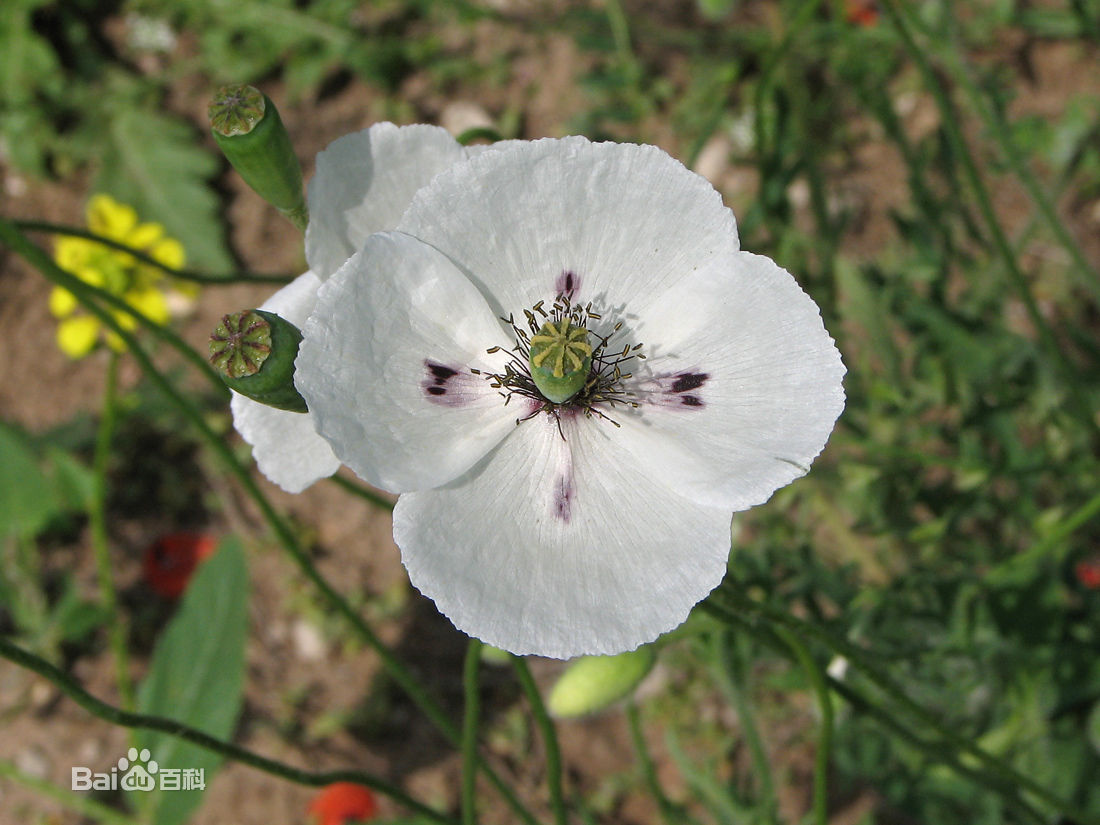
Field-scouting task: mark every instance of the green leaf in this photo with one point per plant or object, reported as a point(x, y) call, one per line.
point(197, 677)
point(27, 501)
point(155, 164)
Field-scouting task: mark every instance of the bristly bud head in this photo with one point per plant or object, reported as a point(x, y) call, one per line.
point(560, 359)
point(235, 110)
point(240, 344)
point(253, 352)
point(247, 127)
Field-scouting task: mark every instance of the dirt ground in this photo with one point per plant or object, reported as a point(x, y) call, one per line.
point(304, 681)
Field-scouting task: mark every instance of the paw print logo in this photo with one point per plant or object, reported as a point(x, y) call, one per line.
point(135, 775)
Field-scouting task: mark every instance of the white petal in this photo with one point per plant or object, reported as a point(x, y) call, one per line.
point(744, 384)
point(285, 445)
point(364, 182)
point(624, 220)
point(561, 547)
point(384, 366)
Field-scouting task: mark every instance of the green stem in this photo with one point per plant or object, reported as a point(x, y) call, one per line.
point(400, 674)
point(146, 258)
point(364, 492)
point(1007, 775)
point(734, 683)
point(985, 205)
point(97, 520)
point(85, 806)
point(824, 745)
point(71, 688)
point(933, 750)
point(670, 812)
point(471, 690)
point(549, 738)
point(1000, 130)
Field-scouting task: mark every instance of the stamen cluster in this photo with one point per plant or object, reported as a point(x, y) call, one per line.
point(604, 388)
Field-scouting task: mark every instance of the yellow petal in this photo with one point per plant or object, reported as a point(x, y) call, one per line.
point(71, 253)
point(62, 302)
point(149, 302)
point(169, 252)
point(76, 336)
point(90, 274)
point(145, 235)
point(125, 320)
point(106, 216)
point(115, 343)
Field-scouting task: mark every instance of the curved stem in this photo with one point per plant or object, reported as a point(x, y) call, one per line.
point(670, 812)
point(144, 257)
point(71, 688)
point(469, 731)
point(400, 674)
point(97, 520)
point(1005, 773)
point(364, 492)
point(985, 206)
point(824, 744)
point(549, 738)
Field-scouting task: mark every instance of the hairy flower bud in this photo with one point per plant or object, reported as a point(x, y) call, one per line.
point(592, 683)
point(247, 127)
point(254, 351)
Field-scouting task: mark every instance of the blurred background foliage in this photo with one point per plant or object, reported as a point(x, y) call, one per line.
point(955, 261)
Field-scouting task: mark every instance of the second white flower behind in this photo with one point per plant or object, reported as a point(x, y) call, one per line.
point(593, 525)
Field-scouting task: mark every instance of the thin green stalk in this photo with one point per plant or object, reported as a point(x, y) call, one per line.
point(144, 257)
point(1006, 774)
point(670, 812)
point(364, 492)
point(71, 688)
point(620, 34)
point(949, 53)
point(400, 674)
point(471, 689)
point(933, 750)
point(83, 805)
point(737, 693)
point(825, 741)
point(549, 738)
point(989, 215)
point(97, 521)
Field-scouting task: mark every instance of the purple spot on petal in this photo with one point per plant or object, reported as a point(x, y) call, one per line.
point(567, 283)
point(675, 390)
point(689, 381)
point(448, 386)
point(563, 498)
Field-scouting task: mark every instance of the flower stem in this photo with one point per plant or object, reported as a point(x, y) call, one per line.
point(71, 688)
point(145, 258)
point(1005, 774)
point(670, 812)
point(824, 744)
point(400, 674)
point(549, 738)
point(469, 732)
point(363, 492)
point(1019, 281)
point(97, 519)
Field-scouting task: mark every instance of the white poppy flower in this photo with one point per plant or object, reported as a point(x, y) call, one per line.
point(589, 526)
point(363, 183)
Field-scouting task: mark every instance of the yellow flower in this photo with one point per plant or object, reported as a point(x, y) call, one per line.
point(141, 285)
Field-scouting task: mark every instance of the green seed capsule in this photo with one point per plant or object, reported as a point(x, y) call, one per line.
point(253, 352)
point(247, 127)
point(593, 683)
point(560, 359)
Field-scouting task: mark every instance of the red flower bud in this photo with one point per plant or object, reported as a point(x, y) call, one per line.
point(170, 560)
point(1088, 573)
point(341, 803)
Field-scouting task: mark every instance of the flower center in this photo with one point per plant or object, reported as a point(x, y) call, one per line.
point(554, 365)
point(560, 359)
